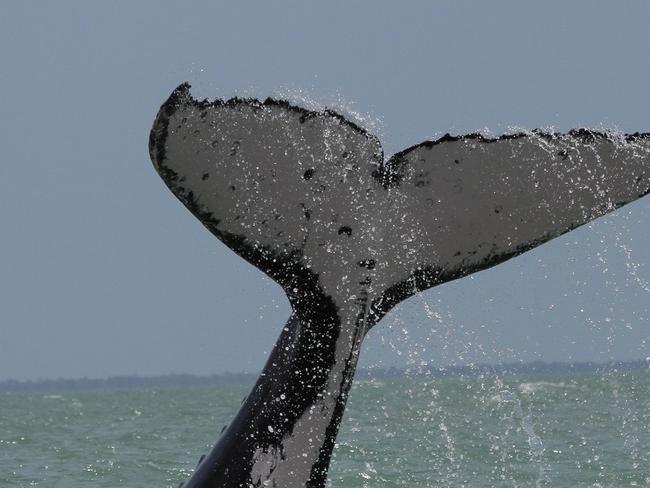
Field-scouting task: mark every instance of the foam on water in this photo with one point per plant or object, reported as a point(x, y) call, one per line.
point(536, 386)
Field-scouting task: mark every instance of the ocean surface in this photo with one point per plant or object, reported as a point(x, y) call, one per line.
point(565, 430)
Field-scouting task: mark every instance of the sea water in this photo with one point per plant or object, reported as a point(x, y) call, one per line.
point(564, 430)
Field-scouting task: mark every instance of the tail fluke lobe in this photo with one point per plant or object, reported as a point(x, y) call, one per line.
point(468, 203)
point(276, 183)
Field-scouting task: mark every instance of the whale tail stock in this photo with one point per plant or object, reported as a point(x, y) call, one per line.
point(308, 198)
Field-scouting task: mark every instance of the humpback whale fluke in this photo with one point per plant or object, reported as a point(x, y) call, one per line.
point(307, 197)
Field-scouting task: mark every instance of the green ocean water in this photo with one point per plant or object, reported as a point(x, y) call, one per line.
point(586, 430)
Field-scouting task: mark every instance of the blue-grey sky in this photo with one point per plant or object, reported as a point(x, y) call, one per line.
point(103, 272)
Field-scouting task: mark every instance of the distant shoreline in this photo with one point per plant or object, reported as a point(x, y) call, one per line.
point(227, 378)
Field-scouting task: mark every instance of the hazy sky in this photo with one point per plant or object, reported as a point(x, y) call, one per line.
point(103, 272)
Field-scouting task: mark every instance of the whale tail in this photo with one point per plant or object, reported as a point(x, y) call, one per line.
point(308, 198)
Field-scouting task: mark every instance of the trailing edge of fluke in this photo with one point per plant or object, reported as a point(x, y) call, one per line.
point(308, 198)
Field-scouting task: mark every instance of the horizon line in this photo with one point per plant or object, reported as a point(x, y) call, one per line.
point(127, 381)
